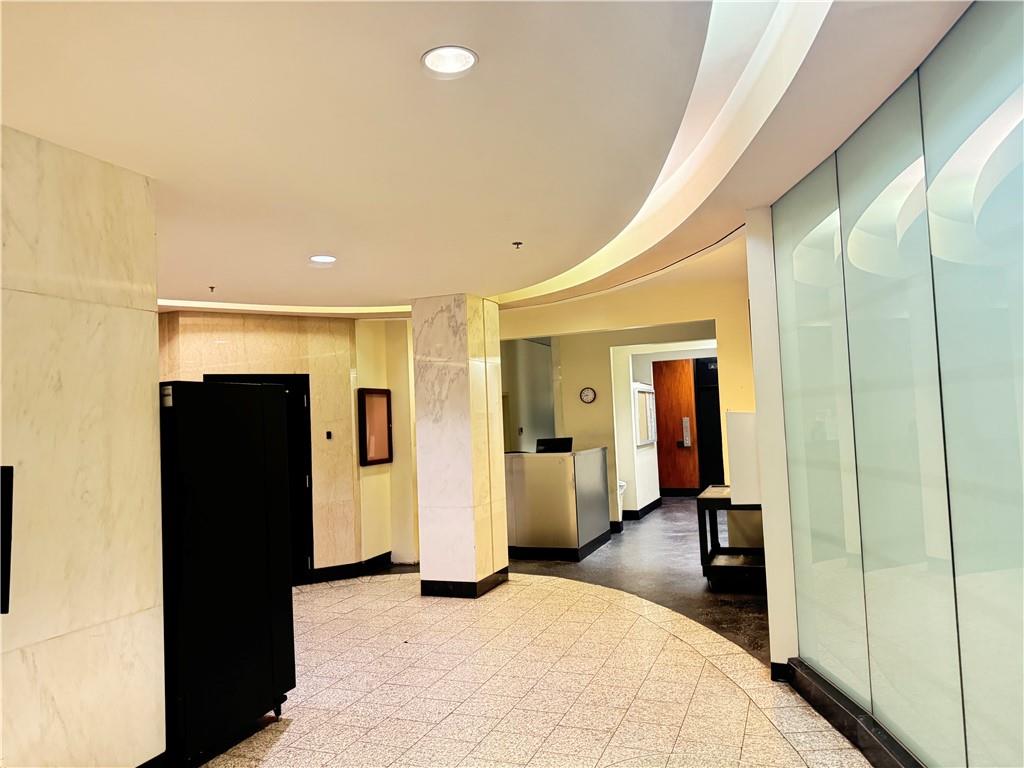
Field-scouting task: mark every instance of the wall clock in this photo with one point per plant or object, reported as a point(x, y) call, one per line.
point(588, 395)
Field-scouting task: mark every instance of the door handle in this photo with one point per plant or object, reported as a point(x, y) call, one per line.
point(687, 441)
point(6, 511)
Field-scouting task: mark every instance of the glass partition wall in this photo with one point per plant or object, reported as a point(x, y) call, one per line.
point(899, 273)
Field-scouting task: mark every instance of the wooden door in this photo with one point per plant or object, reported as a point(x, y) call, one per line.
point(678, 466)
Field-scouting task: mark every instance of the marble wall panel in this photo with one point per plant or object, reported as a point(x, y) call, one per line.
point(483, 542)
point(447, 544)
point(80, 419)
point(324, 348)
point(82, 649)
point(76, 227)
point(91, 697)
point(479, 432)
point(444, 442)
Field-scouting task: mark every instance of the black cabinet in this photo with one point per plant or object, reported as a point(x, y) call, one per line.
point(229, 645)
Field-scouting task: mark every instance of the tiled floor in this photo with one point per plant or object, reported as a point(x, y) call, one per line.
point(659, 558)
point(541, 671)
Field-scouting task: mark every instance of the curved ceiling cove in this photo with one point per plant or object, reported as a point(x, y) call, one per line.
point(710, 142)
point(276, 131)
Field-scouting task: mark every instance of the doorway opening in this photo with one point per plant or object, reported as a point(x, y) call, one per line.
point(300, 462)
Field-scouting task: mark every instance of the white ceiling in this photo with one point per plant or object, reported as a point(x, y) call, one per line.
point(275, 131)
point(862, 52)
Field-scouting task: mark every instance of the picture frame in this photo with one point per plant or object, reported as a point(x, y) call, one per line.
point(376, 444)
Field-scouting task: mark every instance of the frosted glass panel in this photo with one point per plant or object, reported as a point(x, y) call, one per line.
point(971, 107)
point(819, 432)
point(897, 417)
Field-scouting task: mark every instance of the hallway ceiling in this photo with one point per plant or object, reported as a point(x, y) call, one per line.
point(613, 139)
point(278, 131)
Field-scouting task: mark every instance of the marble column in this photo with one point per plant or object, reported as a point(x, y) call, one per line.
point(463, 527)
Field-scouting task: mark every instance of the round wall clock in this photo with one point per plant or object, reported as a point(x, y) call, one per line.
point(588, 395)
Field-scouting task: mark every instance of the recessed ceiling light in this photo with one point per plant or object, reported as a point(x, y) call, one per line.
point(449, 60)
point(322, 258)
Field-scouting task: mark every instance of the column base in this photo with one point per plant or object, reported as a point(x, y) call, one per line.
point(463, 588)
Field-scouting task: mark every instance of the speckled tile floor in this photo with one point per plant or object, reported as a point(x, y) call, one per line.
point(659, 558)
point(541, 671)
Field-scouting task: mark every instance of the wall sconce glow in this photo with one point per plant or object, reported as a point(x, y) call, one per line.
point(322, 258)
point(449, 60)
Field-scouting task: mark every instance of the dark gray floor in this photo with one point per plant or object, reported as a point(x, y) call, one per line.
point(657, 558)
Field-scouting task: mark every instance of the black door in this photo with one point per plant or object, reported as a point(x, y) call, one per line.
point(300, 462)
point(227, 596)
point(709, 422)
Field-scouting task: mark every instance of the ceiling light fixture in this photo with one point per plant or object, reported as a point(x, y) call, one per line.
point(447, 61)
point(322, 258)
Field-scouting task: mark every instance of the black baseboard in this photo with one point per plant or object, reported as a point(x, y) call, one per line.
point(675, 492)
point(375, 564)
point(570, 554)
point(637, 514)
point(594, 544)
point(781, 673)
point(463, 588)
point(160, 761)
point(616, 526)
point(879, 746)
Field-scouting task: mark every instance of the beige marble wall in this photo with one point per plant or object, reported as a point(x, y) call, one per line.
point(82, 649)
point(459, 443)
point(193, 343)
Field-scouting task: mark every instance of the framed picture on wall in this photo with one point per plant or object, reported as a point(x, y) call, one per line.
point(375, 443)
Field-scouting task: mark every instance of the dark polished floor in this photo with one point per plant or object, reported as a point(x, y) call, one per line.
point(657, 558)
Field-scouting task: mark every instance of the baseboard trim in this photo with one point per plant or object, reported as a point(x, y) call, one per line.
point(569, 554)
point(158, 761)
point(880, 747)
point(781, 673)
point(616, 526)
point(595, 544)
point(377, 563)
point(676, 492)
point(463, 588)
point(638, 514)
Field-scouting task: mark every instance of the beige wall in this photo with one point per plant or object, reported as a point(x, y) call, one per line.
point(387, 492)
point(711, 287)
point(584, 360)
point(371, 370)
point(352, 505)
point(405, 543)
point(82, 660)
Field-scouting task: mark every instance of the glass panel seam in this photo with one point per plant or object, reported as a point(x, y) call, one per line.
point(942, 426)
point(853, 431)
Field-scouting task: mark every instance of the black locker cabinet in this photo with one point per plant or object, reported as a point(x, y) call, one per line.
point(229, 644)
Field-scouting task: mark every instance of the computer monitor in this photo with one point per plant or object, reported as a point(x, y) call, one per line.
point(554, 445)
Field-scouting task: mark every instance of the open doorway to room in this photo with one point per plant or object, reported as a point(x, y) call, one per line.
point(673, 459)
point(603, 393)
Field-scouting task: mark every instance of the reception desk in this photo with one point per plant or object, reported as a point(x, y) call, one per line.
point(557, 504)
